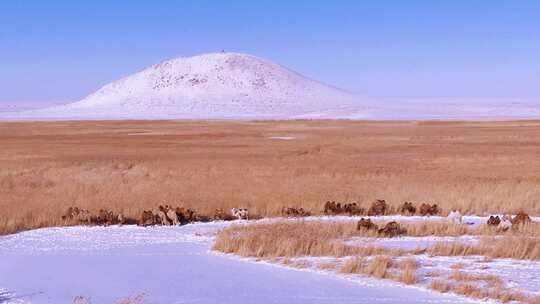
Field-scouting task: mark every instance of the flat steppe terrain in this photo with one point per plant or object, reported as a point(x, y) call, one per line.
point(128, 166)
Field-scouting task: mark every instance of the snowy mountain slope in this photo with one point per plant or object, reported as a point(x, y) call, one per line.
point(218, 85)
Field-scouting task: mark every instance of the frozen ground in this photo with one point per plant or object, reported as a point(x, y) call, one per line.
point(169, 265)
point(518, 274)
point(410, 242)
point(522, 276)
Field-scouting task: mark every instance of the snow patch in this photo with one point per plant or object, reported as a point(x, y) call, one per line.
point(282, 137)
point(411, 242)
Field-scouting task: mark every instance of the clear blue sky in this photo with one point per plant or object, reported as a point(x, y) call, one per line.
point(64, 50)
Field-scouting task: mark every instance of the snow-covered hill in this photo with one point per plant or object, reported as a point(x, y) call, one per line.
point(218, 85)
point(240, 86)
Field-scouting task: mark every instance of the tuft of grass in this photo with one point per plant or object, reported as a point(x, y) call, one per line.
point(440, 285)
point(460, 276)
point(354, 265)
point(379, 267)
point(468, 288)
point(81, 300)
point(139, 299)
point(408, 268)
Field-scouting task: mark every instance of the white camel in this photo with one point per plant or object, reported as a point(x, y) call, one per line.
point(455, 217)
point(240, 213)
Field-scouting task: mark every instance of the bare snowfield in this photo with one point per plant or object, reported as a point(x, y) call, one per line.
point(172, 265)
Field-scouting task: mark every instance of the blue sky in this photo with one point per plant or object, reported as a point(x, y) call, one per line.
point(64, 50)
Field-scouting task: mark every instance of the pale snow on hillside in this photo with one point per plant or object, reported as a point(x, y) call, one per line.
point(240, 86)
point(219, 85)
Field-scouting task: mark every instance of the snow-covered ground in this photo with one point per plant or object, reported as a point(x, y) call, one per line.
point(170, 265)
point(520, 276)
point(411, 242)
point(18, 106)
point(458, 108)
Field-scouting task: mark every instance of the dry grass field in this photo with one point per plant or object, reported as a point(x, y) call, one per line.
point(127, 166)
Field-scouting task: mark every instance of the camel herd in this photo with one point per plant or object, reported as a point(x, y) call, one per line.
point(378, 207)
point(102, 217)
point(167, 216)
point(506, 222)
point(333, 208)
point(391, 229)
point(164, 215)
point(294, 212)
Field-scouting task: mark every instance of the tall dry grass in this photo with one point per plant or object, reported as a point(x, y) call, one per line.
point(379, 267)
point(461, 276)
point(523, 248)
point(353, 265)
point(440, 285)
point(408, 268)
point(383, 267)
point(315, 238)
point(292, 239)
point(479, 286)
point(128, 166)
point(319, 238)
point(311, 237)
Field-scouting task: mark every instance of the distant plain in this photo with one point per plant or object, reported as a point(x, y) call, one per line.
point(129, 166)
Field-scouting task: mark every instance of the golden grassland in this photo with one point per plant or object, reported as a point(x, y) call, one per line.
point(128, 166)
